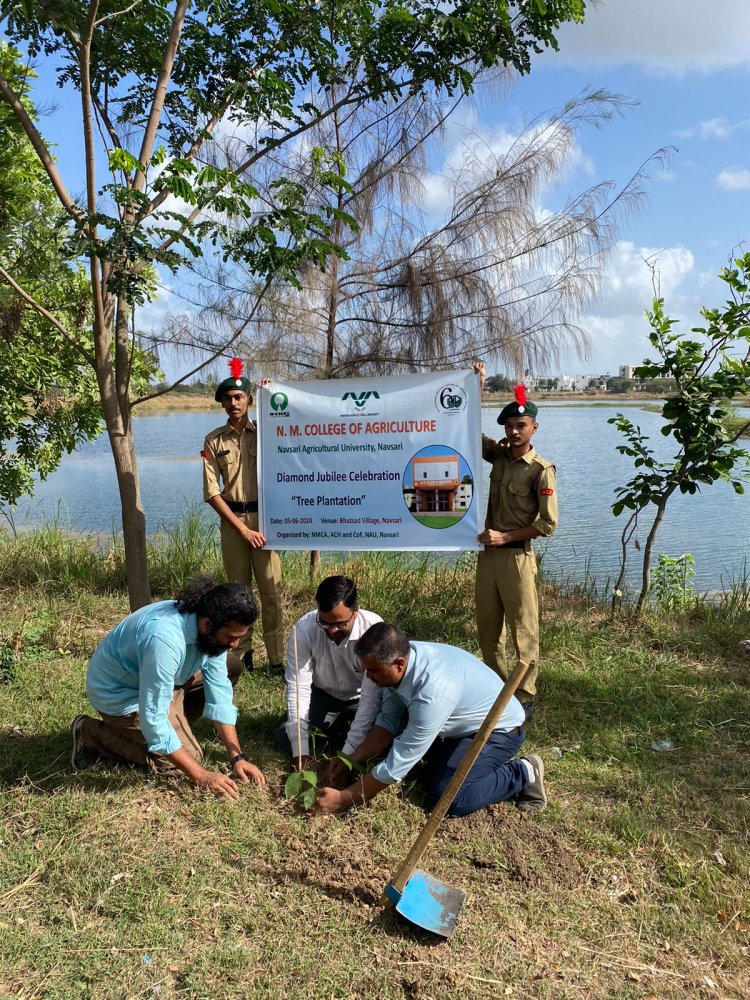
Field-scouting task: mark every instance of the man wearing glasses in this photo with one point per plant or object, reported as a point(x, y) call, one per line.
point(328, 681)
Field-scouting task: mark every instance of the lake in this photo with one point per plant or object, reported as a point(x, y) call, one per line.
point(714, 526)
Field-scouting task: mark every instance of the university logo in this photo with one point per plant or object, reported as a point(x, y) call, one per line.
point(360, 398)
point(450, 399)
point(279, 401)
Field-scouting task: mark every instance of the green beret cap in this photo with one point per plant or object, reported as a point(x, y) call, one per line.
point(235, 381)
point(232, 383)
point(520, 407)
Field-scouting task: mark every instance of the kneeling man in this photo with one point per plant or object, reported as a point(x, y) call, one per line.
point(156, 673)
point(332, 684)
point(438, 694)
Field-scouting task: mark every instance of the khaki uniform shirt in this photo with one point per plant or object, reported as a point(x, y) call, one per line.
point(523, 491)
point(231, 459)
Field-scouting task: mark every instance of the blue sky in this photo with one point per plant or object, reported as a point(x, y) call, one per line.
point(687, 64)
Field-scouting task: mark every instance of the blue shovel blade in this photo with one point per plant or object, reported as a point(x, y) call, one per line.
point(428, 903)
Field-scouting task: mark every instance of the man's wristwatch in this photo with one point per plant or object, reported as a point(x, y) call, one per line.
point(237, 756)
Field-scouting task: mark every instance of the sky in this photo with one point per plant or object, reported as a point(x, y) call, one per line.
point(686, 66)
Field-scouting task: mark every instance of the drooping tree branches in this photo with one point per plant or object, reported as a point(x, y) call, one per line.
point(498, 276)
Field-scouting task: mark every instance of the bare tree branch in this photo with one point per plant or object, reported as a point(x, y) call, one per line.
point(40, 147)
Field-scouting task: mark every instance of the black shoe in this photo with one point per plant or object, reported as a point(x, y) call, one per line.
point(528, 711)
point(81, 758)
point(247, 660)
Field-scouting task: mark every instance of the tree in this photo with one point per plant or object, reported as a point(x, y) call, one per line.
point(48, 401)
point(156, 81)
point(498, 383)
point(620, 384)
point(708, 373)
point(495, 278)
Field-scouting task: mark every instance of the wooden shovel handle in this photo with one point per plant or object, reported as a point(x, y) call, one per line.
point(419, 846)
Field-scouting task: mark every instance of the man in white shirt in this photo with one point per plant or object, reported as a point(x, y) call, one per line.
point(330, 684)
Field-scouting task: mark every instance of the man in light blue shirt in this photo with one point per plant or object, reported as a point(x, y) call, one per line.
point(156, 673)
point(434, 694)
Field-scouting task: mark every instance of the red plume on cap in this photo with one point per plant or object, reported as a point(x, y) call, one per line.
point(520, 393)
point(235, 367)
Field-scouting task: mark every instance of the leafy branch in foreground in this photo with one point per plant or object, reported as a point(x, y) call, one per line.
point(709, 373)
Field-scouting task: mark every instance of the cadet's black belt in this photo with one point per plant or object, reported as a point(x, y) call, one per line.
point(240, 507)
point(510, 545)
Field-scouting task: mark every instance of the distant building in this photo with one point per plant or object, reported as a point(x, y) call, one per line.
point(626, 371)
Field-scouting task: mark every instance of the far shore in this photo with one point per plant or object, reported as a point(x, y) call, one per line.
point(183, 402)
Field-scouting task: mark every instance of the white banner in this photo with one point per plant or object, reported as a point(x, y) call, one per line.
point(371, 463)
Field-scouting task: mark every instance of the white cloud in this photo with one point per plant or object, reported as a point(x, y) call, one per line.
point(713, 128)
point(734, 179)
point(667, 36)
point(475, 147)
point(616, 324)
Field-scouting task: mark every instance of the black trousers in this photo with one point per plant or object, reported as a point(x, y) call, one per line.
point(328, 723)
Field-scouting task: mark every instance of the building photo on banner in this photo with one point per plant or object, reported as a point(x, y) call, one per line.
point(386, 463)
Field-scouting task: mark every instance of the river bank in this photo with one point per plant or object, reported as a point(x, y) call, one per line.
point(176, 402)
point(632, 883)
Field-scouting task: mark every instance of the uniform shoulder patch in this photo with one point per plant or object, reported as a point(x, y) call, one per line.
point(546, 492)
point(204, 453)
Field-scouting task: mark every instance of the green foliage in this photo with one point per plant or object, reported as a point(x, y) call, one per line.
point(672, 586)
point(708, 374)
point(156, 71)
point(254, 63)
point(301, 786)
point(498, 383)
point(7, 664)
point(48, 400)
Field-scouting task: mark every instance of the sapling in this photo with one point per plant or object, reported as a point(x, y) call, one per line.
point(708, 372)
point(301, 785)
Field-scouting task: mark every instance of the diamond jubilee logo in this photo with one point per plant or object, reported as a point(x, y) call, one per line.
point(450, 399)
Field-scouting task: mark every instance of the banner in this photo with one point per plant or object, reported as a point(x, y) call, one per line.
point(389, 463)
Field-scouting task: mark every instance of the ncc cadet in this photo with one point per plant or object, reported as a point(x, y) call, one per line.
point(230, 486)
point(522, 505)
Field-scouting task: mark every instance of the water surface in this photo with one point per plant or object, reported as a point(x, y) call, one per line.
point(714, 525)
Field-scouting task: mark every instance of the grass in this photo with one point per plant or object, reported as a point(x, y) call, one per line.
point(633, 884)
point(438, 520)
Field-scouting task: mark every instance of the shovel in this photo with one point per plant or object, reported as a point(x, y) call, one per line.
point(422, 899)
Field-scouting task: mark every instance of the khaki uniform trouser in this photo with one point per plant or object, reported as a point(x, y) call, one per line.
point(241, 563)
point(119, 737)
point(506, 593)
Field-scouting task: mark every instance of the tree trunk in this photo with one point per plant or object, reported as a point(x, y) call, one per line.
point(314, 564)
point(647, 551)
point(627, 534)
point(133, 517)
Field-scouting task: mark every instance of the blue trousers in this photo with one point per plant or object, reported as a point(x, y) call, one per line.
point(493, 778)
